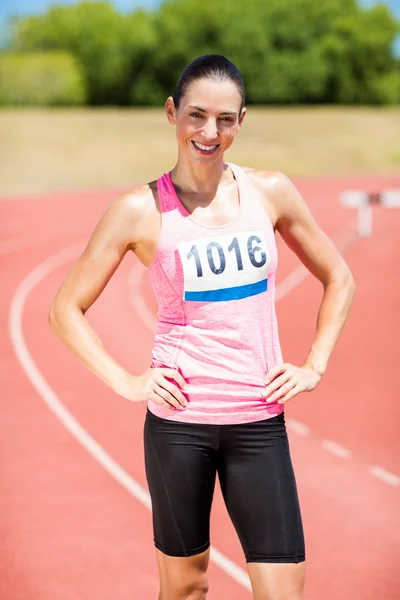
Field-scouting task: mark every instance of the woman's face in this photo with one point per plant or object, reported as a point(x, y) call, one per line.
point(207, 119)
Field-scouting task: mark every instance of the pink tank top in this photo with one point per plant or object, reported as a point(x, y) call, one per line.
point(215, 288)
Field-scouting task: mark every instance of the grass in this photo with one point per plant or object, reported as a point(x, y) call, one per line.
point(46, 150)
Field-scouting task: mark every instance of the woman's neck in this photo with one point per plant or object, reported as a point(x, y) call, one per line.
point(202, 181)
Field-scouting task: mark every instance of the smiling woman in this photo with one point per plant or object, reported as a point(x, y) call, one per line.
point(217, 384)
point(210, 127)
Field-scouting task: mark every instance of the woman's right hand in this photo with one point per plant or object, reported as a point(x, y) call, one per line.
point(153, 385)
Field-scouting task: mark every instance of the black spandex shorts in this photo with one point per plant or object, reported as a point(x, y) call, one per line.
point(256, 477)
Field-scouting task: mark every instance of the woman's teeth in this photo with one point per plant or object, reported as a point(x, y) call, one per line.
point(205, 148)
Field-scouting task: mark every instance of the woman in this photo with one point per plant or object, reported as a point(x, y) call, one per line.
point(217, 386)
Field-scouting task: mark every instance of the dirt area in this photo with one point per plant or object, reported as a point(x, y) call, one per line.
point(51, 150)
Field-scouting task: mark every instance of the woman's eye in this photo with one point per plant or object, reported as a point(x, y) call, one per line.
point(197, 115)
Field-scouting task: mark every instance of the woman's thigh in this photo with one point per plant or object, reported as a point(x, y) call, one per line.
point(259, 488)
point(180, 471)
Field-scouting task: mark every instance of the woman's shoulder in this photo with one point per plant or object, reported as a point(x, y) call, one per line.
point(137, 195)
point(277, 191)
point(264, 177)
point(274, 184)
point(138, 201)
point(132, 211)
point(131, 216)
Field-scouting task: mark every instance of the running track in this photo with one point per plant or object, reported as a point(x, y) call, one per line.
point(73, 528)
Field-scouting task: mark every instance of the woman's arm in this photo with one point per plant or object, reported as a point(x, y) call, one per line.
point(301, 233)
point(117, 232)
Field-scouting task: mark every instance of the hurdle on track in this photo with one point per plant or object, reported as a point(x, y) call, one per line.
point(364, 201)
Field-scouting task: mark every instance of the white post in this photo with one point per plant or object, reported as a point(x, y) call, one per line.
point(363, 202)
point(390, 198)
point(364, 222)
point(360, 200)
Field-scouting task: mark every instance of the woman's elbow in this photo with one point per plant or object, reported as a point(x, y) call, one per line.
point(59, 314)
point(352, 284)
point(342, 278)
point(54, 316)
point(346, 281)
point(349, 280)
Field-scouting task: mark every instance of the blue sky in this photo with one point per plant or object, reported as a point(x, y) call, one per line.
point(394, 5)
point(31, 7)
point(34, 7)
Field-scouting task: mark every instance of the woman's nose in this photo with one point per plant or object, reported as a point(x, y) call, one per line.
point(210, 129)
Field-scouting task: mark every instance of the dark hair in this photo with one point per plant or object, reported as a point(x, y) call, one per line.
point(214, 66)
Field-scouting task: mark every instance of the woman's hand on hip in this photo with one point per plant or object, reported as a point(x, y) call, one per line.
point(153, 385)
point(283, 382)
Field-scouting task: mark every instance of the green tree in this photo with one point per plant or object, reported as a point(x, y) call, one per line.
point(40, 79)
point(363, 69)
point(289, 51)
point(108, 45)
point(276, 45)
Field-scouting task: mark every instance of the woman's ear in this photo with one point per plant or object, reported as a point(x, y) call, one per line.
point(242, 116)
point(170, 110)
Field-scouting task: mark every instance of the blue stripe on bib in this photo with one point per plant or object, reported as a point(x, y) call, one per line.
point(234, 293)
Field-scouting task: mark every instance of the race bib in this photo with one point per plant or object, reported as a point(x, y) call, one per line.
point(225, 267)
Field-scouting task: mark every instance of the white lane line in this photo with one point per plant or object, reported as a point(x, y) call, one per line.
point(342, 241)
point(385, 476)
point(18, 303)
point(335, 448)
point(19, 242)
point(298, 427)
point(291, 282)
point(137, 299)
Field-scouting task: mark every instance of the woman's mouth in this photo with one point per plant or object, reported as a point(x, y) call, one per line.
point(203, 149)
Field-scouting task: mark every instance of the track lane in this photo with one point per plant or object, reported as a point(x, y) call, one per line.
point(327, 494)
point(38, 317)
point(81, 398)
point(356, 403)
point(61, 515)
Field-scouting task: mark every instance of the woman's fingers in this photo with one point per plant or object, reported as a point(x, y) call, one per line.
point(169, 391)
point(287, 380)
point(276, 383)
point(293, 392)
point(283, 383)
point(159, 393)
point(277, 370)
point(155, 397)
point(284, 389)
point(173, 374)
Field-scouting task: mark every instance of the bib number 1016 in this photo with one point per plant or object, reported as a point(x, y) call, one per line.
point(217, 259)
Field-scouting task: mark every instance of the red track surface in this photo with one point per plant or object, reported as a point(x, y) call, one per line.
point(69, 531)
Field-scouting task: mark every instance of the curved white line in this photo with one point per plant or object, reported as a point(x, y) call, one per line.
point(136, 297)
point(20, 242)
point(385, 475)
point(342, 240)
point(62, 413)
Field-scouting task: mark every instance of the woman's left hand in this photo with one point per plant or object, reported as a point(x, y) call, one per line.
point(283, 382)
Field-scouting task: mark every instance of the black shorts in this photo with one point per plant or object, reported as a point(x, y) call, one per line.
point(256, 477)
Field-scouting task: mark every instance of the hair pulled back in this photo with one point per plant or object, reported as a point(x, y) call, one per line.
point(209, 66)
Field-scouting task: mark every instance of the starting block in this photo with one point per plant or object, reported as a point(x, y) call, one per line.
point(364, 201)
